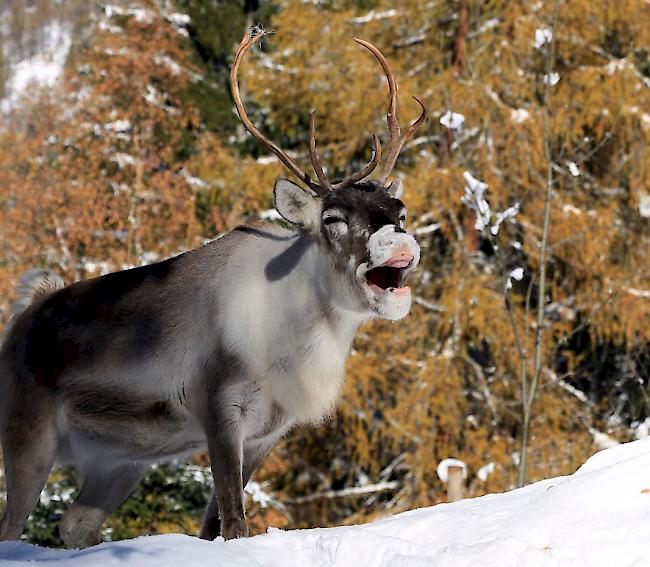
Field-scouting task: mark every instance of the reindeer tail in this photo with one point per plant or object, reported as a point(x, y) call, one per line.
point(34, 284)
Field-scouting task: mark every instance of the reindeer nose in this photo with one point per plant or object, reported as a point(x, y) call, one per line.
point(399, 261)
point(402, 258)
point(404, 251)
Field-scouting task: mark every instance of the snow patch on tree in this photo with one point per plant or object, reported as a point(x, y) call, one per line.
point(542, 37)
point(42, 69)
point(452, 120)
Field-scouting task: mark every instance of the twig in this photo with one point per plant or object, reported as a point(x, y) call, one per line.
point(428, 305)
point(529, 397)
point(345, 492)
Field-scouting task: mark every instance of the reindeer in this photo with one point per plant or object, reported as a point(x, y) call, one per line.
point(224, 348)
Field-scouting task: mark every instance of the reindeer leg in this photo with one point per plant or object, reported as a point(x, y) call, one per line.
point(225, 449)
point(211, 526)
point(29, 444)
point(102, 491)
point(225, 429)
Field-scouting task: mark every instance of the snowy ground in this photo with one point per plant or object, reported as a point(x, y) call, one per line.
point(598, 516)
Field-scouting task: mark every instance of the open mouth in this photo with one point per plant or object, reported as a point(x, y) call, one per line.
point(389, 277)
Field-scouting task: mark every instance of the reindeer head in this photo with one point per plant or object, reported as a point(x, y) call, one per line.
point(359, 224)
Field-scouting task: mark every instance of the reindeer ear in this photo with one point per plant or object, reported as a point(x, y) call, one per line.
point(296, 205)
point(396, 189)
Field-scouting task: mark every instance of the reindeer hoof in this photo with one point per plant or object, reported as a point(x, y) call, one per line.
point(234, 528)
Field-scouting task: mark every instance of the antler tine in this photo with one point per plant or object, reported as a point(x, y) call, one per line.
point(394, 154)
point(396, 141)
point(358, 176)
point(251, 37)
point(367, 170)
point(376, 152)
point(313, 154)
point(391, 113)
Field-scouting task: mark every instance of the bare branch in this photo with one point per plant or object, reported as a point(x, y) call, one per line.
point(529, 397)
point(345, 492)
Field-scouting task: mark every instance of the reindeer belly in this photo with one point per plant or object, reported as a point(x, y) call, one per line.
point(135, 427)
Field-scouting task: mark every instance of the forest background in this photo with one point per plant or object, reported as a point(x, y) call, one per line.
point(135, 153)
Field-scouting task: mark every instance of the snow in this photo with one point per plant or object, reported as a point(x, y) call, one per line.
point(573, 168)
point(93, 267)
point(452, 120)
point(442, 470)
point(515, 274)
point(485, 471)
point(123, 159)
point(509, 214)
point(259, 495)
point(180, 19)
point(542, 37)
point(271, 215)
point(569, 208)
point(194, 181)
point(373, 15)
point(519, 115)
point(616, 65)
point(43, 68)
point(141, 15)
point(474, 198)
point(552, 79)
point(110, 28)
point(644, 205)
point(118, 126)
point(596, 517)
point(645, 293)
point(641, 428)
point(428, 229)
point(602, 440)
point(266, 160)
point(165, 60)
point(645, 119)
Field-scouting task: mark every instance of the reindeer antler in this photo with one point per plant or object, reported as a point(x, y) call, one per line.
point(251, 37)
point(352, 179)
point(396, 142)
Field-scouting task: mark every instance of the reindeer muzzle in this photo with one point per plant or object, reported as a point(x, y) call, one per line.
point(392, 255)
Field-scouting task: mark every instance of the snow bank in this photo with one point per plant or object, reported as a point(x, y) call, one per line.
point(595, 517)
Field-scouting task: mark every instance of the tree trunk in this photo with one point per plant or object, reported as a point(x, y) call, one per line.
point(460, 41)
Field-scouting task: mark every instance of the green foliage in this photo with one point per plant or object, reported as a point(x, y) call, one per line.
point(213, 101)
point(216, 26)
point(170, 498)
point(43, 524)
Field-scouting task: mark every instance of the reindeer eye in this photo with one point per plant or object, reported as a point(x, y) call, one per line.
point(333, 220)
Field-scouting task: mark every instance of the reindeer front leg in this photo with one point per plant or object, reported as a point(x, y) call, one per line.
point(225, 448)
point(211, 526)
point(234, 407)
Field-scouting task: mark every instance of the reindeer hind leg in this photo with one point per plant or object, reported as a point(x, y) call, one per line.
point(103, 489)
point(29, 445)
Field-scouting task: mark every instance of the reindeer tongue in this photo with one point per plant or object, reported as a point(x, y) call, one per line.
point(384, 277)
